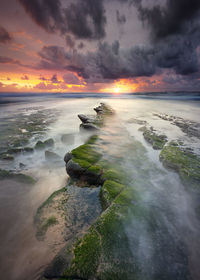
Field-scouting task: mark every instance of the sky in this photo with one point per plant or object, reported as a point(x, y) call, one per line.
point(114, 46)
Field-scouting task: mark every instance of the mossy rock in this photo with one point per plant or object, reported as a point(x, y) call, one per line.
point(28, 149)
point(157, 141)
point(49, 142)
point(109, 191)
point(184, 162)
point(47, 223)
point(40, 145)
point(128, 196)
point(7, 157)
point(92, 139)
point(115, 175)
point(83, 163)
point(86, 256)
point(4, 174)
point(20, 142)
point(109, 250)
point(20, 150)
point(87, 153)
point(95, 169)
point(48, 201)
point(104, 251)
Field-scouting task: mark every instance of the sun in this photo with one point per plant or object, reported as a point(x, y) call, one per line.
point(116, 90)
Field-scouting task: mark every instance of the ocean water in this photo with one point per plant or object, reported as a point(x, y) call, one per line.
point(22, 255)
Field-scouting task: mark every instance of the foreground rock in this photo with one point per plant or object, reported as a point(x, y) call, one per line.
point(93, 123)
point(157, 141)
point(184, 162)
point(189, 127)
point(113, 247)
point(49, 155)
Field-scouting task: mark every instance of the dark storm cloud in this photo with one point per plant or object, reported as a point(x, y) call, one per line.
point(171, 18)
point(54, 56)
point(57, 58)
point(9, 60)
point(175, 32)
point(46, 13)
point(70, 78)
point(84, 19)
point(134, 62)
point(175, 37)
point(5, 37)
point(70, 42)
point(178, 53)
point(121, 19)
point(108, 62)
point(80, 45)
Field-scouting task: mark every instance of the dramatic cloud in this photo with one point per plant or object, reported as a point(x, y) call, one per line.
point(121, 19)
point(46, 13)
point(80, 45)
point(72, 79)
point(9, 60)
point(84, 19)
point(54, 79)
point(4, 35)
point(100, 41)
point(170, 18)
point(70, 42)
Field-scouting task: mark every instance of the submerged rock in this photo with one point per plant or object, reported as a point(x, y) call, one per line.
point(189, 127)
point(22, 165)
point(49, 142)
point(39, 145)
point(28, 150)
point(6, 157)
point(4, 174)
point(42, 145)
point(68, 139)
point(49, 155)
point(89, 126)
point(20, 150)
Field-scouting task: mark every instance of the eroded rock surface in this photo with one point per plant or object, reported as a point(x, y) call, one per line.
point(129, 238)
point(189, 127)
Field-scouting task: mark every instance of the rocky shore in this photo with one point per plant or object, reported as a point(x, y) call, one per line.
point(100, 246)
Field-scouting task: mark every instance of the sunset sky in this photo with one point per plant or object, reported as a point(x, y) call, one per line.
point(99, 45)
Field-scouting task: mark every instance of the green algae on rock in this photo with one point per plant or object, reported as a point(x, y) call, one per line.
point(26, 179)
point(157, 141)
point(42, 145)
point(6, 156)
point(184, 162)
point(49, 213)
point(105, 252)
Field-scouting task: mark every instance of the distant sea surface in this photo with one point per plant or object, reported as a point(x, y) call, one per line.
point(6, 98)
